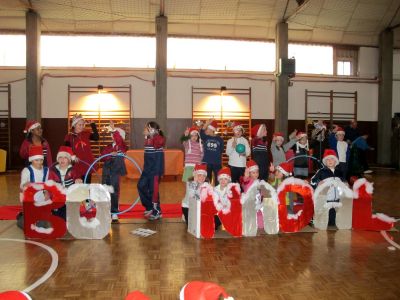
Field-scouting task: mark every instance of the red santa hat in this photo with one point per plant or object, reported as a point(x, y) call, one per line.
point(301, 134)
point(213, 125)
point(225, 173)
point(136, 295)
point(200, 169)
point(194, 130)
point(236, 126)
point(251, 165)
point(257, 129)
point(30, 125)
point(285, 168)
point(121, 132)
point(339, 130)
point(14, 295)
point(75, 119)
point(65, 151)
point(329, 153)
point(278, 135)
point(35, 152)
point(199, 290)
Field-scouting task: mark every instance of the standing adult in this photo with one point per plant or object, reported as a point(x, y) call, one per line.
point(79, 140)
point(34, 137)
point(351, 131)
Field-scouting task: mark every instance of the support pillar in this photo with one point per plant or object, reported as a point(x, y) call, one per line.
point(33, 68)
point(161, 71)
point(385, 96)
point(281, 80)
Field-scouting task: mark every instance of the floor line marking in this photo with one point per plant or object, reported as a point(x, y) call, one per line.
point(389, 240)
point(50, 271)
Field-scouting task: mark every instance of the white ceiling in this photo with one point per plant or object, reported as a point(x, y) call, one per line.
point(356, 22)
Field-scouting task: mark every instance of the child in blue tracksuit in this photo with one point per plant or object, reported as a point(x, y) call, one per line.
point(213, 149)
point(153, 169)
point(114, 166)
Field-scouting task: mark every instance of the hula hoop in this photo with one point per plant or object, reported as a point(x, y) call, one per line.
point(126, 157)
point(307, 156)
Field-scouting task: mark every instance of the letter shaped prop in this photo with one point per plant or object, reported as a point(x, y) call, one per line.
point(328, 190)
point(81, 227)
point(295, 222)
point(230, 209)
point(39, 200)
point(362, 209)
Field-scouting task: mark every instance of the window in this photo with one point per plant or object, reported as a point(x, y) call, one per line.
point(208, 54)
point(345, 60)
point(312, 59)
point(343, 68)
point(12, 50)
point(98, 51)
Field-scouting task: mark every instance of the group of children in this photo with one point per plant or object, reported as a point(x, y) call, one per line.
point(73, 159)
point(203, 159)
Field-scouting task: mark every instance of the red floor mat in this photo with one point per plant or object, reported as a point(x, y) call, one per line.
point(9, 212)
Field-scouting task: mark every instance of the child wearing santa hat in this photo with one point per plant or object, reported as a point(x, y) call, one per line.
point(193, 155)
point(278, 149)
point(277, 175)
point(194, 184)
point(114, 166)
point(79, 140)
point(34, 136)
point(201, 290)
point(227, 201)
point(153, 169)
point(237, 160)
point(213, 149)
point(301, 149)
point(35, 172)
point(259, 150)
point(337, 143)
point(64, 173)
point(330, 169)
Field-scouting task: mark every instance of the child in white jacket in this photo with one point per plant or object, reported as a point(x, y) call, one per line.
point(237, 149)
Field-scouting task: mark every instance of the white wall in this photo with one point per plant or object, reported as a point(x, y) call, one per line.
point(368, 62)
point(55, 90)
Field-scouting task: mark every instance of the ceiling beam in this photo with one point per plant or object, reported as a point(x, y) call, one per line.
point(298, 10)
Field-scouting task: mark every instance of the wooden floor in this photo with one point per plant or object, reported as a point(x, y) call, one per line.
point(322, 265)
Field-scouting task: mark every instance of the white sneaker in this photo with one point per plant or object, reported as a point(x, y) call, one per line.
point(368, 172)
point(147, 213)
point(114, 218)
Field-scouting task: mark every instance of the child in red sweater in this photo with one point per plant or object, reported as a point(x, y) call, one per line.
point(79, 140)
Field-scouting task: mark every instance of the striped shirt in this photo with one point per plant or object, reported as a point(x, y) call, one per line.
point(196, 154)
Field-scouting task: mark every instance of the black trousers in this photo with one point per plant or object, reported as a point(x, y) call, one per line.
point(213, 169)
point(236, 173)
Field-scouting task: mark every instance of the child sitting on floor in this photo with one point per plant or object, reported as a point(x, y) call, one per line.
point(35, 172)
point(64, 173)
